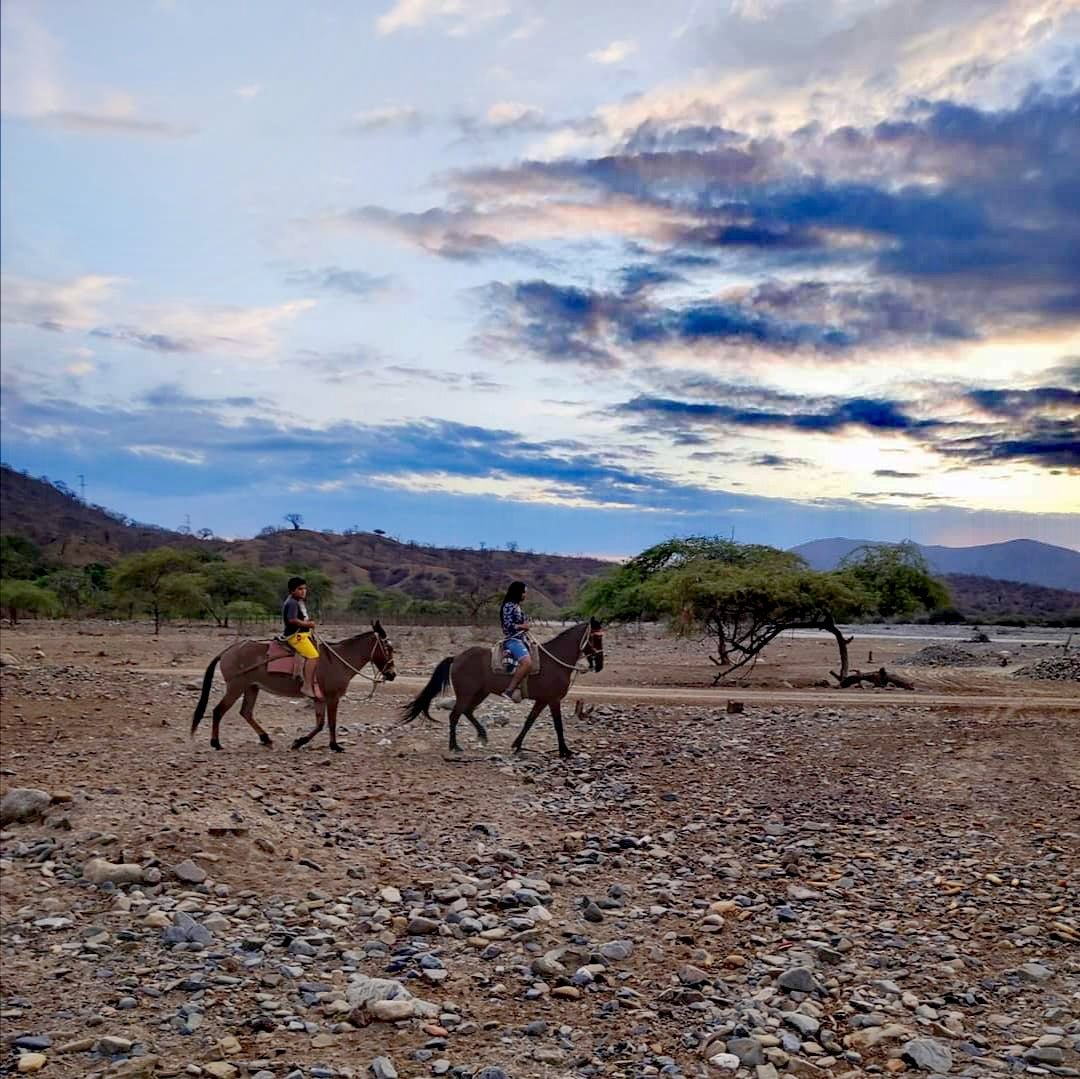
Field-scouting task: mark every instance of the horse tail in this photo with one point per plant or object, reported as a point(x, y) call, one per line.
point(200, 708)
point(440, 679)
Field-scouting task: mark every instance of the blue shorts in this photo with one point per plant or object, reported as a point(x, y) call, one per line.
point(516, 648)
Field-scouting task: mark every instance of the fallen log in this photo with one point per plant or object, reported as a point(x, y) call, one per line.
point(879, 678)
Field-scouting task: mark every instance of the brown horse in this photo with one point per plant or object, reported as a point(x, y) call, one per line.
point(470, 675)
point(243, 665)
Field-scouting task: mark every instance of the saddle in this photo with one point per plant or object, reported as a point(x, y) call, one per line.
point(497, 658)
point(281, 659)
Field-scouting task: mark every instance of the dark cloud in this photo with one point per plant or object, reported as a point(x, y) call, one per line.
point(1024, 402)
point(826, 416)
point(893, 474)
point(772, 460)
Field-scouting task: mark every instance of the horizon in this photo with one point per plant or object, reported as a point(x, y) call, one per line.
point(581, 280)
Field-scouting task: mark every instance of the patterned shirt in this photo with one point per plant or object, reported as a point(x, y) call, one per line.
point(512, 619)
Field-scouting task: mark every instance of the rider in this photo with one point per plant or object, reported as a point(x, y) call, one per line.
point(298, 627)
point(514, 627)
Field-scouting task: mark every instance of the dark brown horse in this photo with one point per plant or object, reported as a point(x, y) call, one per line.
point(470, 675)
point(243, 664)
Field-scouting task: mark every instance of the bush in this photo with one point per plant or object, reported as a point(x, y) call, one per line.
point(946, 616)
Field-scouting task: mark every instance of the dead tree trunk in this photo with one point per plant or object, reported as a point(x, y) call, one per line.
point(879, 678)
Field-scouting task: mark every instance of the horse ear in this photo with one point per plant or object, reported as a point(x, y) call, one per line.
point(595, 623)
point(377, 627)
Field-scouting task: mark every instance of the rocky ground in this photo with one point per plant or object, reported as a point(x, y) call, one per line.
point(829, 883)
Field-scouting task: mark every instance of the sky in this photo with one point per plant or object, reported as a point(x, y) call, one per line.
point(578, 277)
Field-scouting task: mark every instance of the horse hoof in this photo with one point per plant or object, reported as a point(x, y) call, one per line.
point(266, 740)
point(215, 743)
point(298, 744)
point(566, 755)
point(336, 748)
point(483, 739)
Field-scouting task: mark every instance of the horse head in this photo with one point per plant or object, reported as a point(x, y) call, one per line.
point(592, 647)
point(382, 652)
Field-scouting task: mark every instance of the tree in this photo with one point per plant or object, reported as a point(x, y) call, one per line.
point(745, 595)
point(20, 558)
point(295, 519)
point(143, 579)
point(18, 595)
point(895, 579)
point(205, 533)
point(231, 582)
point(512, 546)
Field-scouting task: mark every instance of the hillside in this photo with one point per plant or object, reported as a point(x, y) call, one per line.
point(76, 534)
point(1025, 561)
point(983, 599)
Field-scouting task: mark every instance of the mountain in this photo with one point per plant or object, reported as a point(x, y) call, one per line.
point(1024, 561)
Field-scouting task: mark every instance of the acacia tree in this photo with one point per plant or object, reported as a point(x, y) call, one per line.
point(149, 579)
point(295, 519)
point(746, 595)
point(25, 596)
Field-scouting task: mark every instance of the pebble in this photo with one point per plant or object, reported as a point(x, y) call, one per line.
point(31, 1062)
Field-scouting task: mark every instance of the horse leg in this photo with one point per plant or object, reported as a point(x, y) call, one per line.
point(455, 715)
point(530, 719)
point(247, 710)
point(320, 719)
point(481, 732)
point(222, 706)
point(556, 715)
point(331, 715)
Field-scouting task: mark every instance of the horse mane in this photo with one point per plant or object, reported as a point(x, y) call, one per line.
point(566, 632)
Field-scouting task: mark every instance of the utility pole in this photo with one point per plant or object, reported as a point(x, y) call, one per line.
point(82, 488)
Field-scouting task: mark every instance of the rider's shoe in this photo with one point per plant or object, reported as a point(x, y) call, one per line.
point(515, 697)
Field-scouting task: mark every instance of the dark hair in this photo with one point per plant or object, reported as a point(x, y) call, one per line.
point(295, 583)
point(514, 592)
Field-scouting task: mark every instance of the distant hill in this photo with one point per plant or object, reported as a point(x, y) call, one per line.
point(76, 534)
point(983, 599)
point(1024, 561)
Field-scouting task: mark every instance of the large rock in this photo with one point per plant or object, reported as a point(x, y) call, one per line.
point(366, 993)
point(102, 871)
point(23, 803)
point(928, 1055)
point(8, 660)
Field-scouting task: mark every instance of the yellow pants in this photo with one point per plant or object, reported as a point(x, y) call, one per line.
point(301, 641)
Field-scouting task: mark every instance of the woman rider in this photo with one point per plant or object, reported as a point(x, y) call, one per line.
point(514, 626)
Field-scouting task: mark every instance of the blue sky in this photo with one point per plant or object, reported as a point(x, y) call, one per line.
point(580, 277)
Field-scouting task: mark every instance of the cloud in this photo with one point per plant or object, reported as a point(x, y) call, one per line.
point(34, 86)
point(89, 304)
point(249, 92)
point(246, 332)
point(106, 123)
point(388, 117)
point(56, 305)
point(457, 17)
point(358, 283)
point(893, 474)
point(615, 53)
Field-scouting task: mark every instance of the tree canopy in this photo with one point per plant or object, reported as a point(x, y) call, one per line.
point(745, 595)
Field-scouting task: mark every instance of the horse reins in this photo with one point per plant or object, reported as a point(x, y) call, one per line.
point(373, 679)
point(570, 666)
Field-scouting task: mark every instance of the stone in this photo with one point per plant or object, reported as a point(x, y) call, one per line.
point(1035, 972)
point(221, 1069)
point(383, 1068)
point(725, 1062)
point(927, 1054)
point(692, 976)
point(806, 1025)
point(31, 1062)
point(8, 660)
point(23, 803)
point(189, 872)
point(102, 871)
point(390, 1011)
point(748, 1050)
point(144, 1067)
point(617, 950)
point(797, 980)
point(422, 927)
